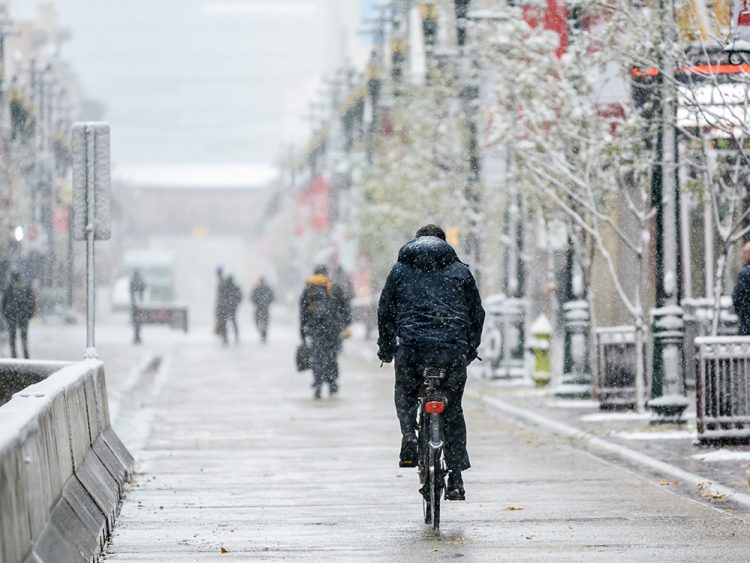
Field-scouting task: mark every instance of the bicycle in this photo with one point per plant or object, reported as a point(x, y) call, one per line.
point(431, 444)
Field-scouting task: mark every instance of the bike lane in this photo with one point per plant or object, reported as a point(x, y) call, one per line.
point(240, 463)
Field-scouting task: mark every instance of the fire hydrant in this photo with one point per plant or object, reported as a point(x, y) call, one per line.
point(541, 337)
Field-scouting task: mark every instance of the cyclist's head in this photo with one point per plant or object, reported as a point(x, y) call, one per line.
point(321, 269)
point(431, 231)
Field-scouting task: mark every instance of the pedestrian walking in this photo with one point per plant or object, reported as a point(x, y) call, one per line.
point(324, 314)
point(430, 314)
point(262, 297)
point(137, 291)
point(18, 305)
point(220, 322)
point(741, 293)
point(233, 299)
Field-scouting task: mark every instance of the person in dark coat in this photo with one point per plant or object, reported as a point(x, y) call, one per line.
point(324, 314)
point(741, 293)
point(430, 314)
point(232, 298)
point(19, 305)
point(262, 297)
point(222, 306)
point(137, 289)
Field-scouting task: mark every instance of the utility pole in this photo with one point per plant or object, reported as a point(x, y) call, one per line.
point(6, 197)
point(469, 97)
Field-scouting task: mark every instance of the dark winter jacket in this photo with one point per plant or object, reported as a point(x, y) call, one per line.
point(430, 304)
point(262, 296)
point(19, 303)
point(137, 288)
point(327, 318)
point(741, 300)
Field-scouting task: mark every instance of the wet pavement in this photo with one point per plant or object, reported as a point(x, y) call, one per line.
point(238, 462)
point(674, 444)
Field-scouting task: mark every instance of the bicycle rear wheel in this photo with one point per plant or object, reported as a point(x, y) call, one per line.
point(435, 490)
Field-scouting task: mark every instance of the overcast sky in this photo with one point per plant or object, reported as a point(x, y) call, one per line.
point(197, 81)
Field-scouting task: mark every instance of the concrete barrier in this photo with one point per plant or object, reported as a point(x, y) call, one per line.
point(62, 468)
point(16, 375)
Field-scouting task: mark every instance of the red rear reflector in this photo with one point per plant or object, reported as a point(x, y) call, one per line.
point(434, 406)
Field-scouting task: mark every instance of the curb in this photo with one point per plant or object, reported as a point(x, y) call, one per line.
point(623, 452)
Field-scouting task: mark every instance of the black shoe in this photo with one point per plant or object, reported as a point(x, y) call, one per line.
point(409, 450)
point(317, 393)
point(455, 489)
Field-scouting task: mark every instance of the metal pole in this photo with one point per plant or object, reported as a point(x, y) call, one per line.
point(668, 400)
point(90, 273)
point(470, 95)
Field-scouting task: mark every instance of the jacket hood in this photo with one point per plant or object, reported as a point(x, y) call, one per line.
point(321, 279)
point(427, 254)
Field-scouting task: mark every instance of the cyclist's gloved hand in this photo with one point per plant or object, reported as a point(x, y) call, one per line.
point(384, 356)
point(471, 356)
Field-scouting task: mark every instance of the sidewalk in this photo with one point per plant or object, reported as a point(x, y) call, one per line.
point(123, 360)
point(240, 463)
point(627, 430)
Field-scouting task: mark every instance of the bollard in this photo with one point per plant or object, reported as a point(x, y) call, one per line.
point(541, 338)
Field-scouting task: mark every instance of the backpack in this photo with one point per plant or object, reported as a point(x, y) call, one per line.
point(320, 301)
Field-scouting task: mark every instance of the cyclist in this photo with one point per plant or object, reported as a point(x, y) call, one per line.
point(430, 313)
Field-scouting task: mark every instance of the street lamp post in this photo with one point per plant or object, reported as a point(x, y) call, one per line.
point(668, 400)
point(576, 380)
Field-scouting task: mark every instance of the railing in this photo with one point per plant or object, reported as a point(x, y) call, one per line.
point(616, 358)
point(699, 314)
point(722, 368)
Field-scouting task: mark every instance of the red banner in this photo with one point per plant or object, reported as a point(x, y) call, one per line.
point(319, 204)
point(313, 207)
point(553, 18)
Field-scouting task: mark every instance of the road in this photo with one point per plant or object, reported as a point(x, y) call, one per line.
point(238, 462)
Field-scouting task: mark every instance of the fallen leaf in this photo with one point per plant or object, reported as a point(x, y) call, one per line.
point(714, 495)
point(664, 482)
point(676, 483)
point(511, 507)
point(529, 536)
point(161, 507)
point(748, 482)
point(223, 550)
point(744, 465)
point(704, 485)
point(458, 541)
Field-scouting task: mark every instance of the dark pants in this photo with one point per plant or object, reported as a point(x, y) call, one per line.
point(324, 361)
point(136, 320)
point(231, 318)
point(23, 327)
point(408, 384)
point(261, 321)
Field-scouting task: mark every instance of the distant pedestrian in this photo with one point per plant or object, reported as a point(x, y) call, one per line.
point(262, 297)
point(741, 293)
point(19, 305)
point(220, 324)
point(137, 290)
point(233, 299)
point(324, 314)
